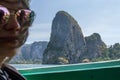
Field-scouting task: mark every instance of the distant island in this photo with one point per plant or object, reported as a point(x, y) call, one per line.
point(67, 45)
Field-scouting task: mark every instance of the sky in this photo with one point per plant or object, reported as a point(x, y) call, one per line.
point(93, 16)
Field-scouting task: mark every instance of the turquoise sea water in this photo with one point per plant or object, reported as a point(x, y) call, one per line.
point(23, 66)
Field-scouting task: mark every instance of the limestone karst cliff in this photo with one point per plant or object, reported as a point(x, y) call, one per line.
point(30, 53)
point(95, 47)
point(67, 43)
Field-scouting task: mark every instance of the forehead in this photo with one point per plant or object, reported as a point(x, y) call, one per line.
point(12, 5)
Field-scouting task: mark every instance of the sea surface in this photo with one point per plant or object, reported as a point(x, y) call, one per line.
point(26, 66)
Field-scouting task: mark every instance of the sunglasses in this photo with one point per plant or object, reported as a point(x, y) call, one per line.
point(24, 17)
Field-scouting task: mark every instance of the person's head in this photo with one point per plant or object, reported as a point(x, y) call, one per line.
point(15, 20)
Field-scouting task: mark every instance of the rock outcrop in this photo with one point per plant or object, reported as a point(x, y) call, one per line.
point(30, 53)
point(67, 41)
point(68, 45)
point(94, 47)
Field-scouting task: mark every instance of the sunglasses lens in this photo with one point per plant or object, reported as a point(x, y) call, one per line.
point(25, 17)
point(4, 15)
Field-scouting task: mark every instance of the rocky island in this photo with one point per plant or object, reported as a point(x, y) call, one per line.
point(67, 45)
